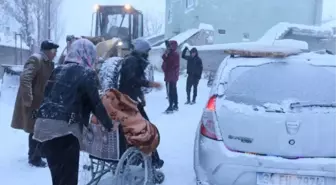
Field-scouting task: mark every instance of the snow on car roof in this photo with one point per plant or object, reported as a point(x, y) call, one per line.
point(289, 43)
point(9, 41)
point(282, 28)
point(261, 50)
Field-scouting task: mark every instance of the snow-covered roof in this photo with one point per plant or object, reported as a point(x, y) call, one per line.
point(9, 41)
point(282, 28)
point(153, 36)
point(287, 43)
point(331, 23)
point(182, 37)
point(205, 26)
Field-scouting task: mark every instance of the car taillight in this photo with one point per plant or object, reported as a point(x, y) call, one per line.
point(208, 124)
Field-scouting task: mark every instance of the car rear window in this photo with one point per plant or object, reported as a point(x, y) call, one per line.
point(278, 82)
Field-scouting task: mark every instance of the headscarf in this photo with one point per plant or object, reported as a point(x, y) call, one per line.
point(82, 51)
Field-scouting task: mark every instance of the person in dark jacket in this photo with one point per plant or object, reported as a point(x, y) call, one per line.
point(132, 79)
point(71, 94)
point(132, 72)
point(194, 71)
point(171, 69)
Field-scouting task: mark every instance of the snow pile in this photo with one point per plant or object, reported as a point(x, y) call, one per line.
point(9, 40)
point(203, 26)
point(9, 85)
point(281, 29)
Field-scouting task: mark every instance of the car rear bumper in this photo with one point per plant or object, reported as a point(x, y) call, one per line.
point(214, 164)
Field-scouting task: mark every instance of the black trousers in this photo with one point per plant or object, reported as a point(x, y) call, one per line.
point(142, 111)
point(155, 156)
point(192, 82)
point(63, 159)
point(34, 151)
point(172, 94)
point(167, 89)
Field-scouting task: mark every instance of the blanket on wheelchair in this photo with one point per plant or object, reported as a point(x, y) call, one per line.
point(138, 131)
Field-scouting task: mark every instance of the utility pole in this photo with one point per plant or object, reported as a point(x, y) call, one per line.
point(49, 18)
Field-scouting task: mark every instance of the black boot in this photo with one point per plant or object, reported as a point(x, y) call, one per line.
point(37, 163)
point(169, 110)
point(175, 107)
point(188, 101)
point(35, 153)
point(193, 101)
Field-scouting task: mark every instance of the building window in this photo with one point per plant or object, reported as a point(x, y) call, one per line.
point(190, 3)
point(170, 15)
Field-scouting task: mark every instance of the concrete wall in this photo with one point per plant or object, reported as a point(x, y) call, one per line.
point(239, 17)
point(7, 56)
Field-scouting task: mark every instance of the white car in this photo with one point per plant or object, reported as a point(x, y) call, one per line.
point(269, 121)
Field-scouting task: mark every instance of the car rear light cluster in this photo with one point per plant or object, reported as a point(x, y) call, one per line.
point(208, 121)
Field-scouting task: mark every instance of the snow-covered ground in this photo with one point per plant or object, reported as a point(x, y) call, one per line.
point(176, 147)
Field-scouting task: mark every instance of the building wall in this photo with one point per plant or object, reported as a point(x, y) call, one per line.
point(239, 17)
point(7, 56)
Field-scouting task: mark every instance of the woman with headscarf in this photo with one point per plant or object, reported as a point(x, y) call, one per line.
point(71, 94)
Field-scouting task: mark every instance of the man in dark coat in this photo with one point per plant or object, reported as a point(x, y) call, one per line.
point(171, 69)
point(33, 79)
point(194, 71)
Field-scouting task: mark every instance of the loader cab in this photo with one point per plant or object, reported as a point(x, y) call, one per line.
point(122, 22)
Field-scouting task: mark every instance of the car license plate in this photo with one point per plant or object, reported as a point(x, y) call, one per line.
point(284, 179)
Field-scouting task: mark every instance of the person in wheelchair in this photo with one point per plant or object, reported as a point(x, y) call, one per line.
point(71, 94)
point(132, 79)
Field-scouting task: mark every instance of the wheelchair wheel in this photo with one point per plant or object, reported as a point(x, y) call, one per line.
point(85, 167)
point(159, 177)
point(134, 168)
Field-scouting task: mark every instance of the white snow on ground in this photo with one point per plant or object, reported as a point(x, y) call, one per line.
point(176, 148)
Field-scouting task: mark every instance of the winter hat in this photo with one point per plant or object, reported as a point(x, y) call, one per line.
point(193, 50)
point(141, 46)
point(48, 45)
point(82, 51)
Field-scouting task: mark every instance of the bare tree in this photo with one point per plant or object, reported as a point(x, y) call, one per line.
point(4, 20)
point(38, 11)
point(21, 10)
point(41, 12)
point(57, 25)
point(152, 25)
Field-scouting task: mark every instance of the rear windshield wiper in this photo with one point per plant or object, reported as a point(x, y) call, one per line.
point(305, 105)
point(271, 109)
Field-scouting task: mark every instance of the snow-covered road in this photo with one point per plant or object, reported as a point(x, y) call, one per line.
point(176, 147)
